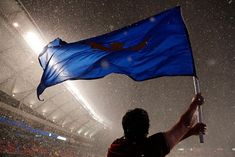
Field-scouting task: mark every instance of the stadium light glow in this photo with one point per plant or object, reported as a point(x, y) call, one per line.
point(93, 133)
point(61, 138)
point(76, 93)
point(79, 132)
point(43, 112)
point(181, 149)
point(34, 41)
point(15, 24)
point(86, 133)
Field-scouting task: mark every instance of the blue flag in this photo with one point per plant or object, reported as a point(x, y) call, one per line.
point(154, 47)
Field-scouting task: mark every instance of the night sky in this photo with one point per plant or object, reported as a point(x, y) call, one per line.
point(211, 26)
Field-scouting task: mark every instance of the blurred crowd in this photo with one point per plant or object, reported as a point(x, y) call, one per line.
point(32, 148)
point(18, 142)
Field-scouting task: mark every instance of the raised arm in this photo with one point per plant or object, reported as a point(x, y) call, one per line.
point(184, 125)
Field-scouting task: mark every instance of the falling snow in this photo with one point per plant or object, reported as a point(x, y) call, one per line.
point(211, 30)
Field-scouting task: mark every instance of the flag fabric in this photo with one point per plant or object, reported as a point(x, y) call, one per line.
point(154, 47)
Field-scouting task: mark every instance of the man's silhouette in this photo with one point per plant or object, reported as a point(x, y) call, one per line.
point(135, 142)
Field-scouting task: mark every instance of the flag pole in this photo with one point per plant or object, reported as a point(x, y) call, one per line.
point(197, 90)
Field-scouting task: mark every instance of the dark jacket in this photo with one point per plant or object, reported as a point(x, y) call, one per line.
point(153, 146)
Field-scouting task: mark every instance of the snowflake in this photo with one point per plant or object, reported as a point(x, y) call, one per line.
point(152, 19)
point(104, 64)
point(129, 59)
point(111, 27)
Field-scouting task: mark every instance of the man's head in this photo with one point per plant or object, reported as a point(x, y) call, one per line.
point(135, 124)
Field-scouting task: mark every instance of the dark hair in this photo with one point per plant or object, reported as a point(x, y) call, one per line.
point(135, 124)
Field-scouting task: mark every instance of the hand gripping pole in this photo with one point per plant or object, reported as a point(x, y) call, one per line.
point(197, 90)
